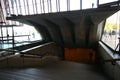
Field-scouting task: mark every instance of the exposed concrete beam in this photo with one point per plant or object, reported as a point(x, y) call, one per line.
point(43, 31)
point(77, 28)
point(55, 29)
point(72, 28)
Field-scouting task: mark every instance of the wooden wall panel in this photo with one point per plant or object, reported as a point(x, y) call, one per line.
point(80, 55)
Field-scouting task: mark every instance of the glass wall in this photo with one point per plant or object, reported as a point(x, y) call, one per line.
point(21, 35)
point(106, 1)
point(28, 7)
point(112, 30)
point(75, 5)
point(89, 4)
point(13, 33)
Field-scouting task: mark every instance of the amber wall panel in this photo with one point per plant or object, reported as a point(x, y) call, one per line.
point(80, 55)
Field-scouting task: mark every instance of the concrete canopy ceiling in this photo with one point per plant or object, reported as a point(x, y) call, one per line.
point(71, 29)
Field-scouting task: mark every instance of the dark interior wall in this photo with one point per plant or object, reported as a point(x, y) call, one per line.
point(50, 48)
point(103, 53)
point(100, 29)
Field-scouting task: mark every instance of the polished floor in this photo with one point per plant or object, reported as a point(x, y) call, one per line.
point(60, 70)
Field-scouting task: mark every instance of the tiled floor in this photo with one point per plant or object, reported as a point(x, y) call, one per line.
point(60, 70)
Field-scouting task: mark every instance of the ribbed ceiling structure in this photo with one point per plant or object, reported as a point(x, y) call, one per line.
point(71, 29)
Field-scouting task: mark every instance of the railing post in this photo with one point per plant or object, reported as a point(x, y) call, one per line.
point(19, 3)
point(68, 5)
point(43, 6)
point(80, 4)
point(36, 7)
point(97, 3)
point(27, 6)
point(16, 7)
point(13, 38)
point(33, 6)
point(50, 6)
point(119, 46)
point(57, 5)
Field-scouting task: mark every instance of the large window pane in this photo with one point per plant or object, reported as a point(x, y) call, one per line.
point(28, 30)
point(89, 4)
point(22, 35)
point(74, 4)
point(63, 5)
point(106, 1)
point(112, 30)
point(53, 5)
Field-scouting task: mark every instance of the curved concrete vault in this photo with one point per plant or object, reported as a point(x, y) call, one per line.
point(72, 29)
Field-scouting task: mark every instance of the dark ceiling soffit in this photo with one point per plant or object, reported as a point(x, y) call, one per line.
point(43, 30)
point(55, 26)
point(72, 28)
point(50, 22)
point(89, 24)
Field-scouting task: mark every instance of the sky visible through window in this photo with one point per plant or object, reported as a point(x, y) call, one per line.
point(112, 30)
point(106, 1)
